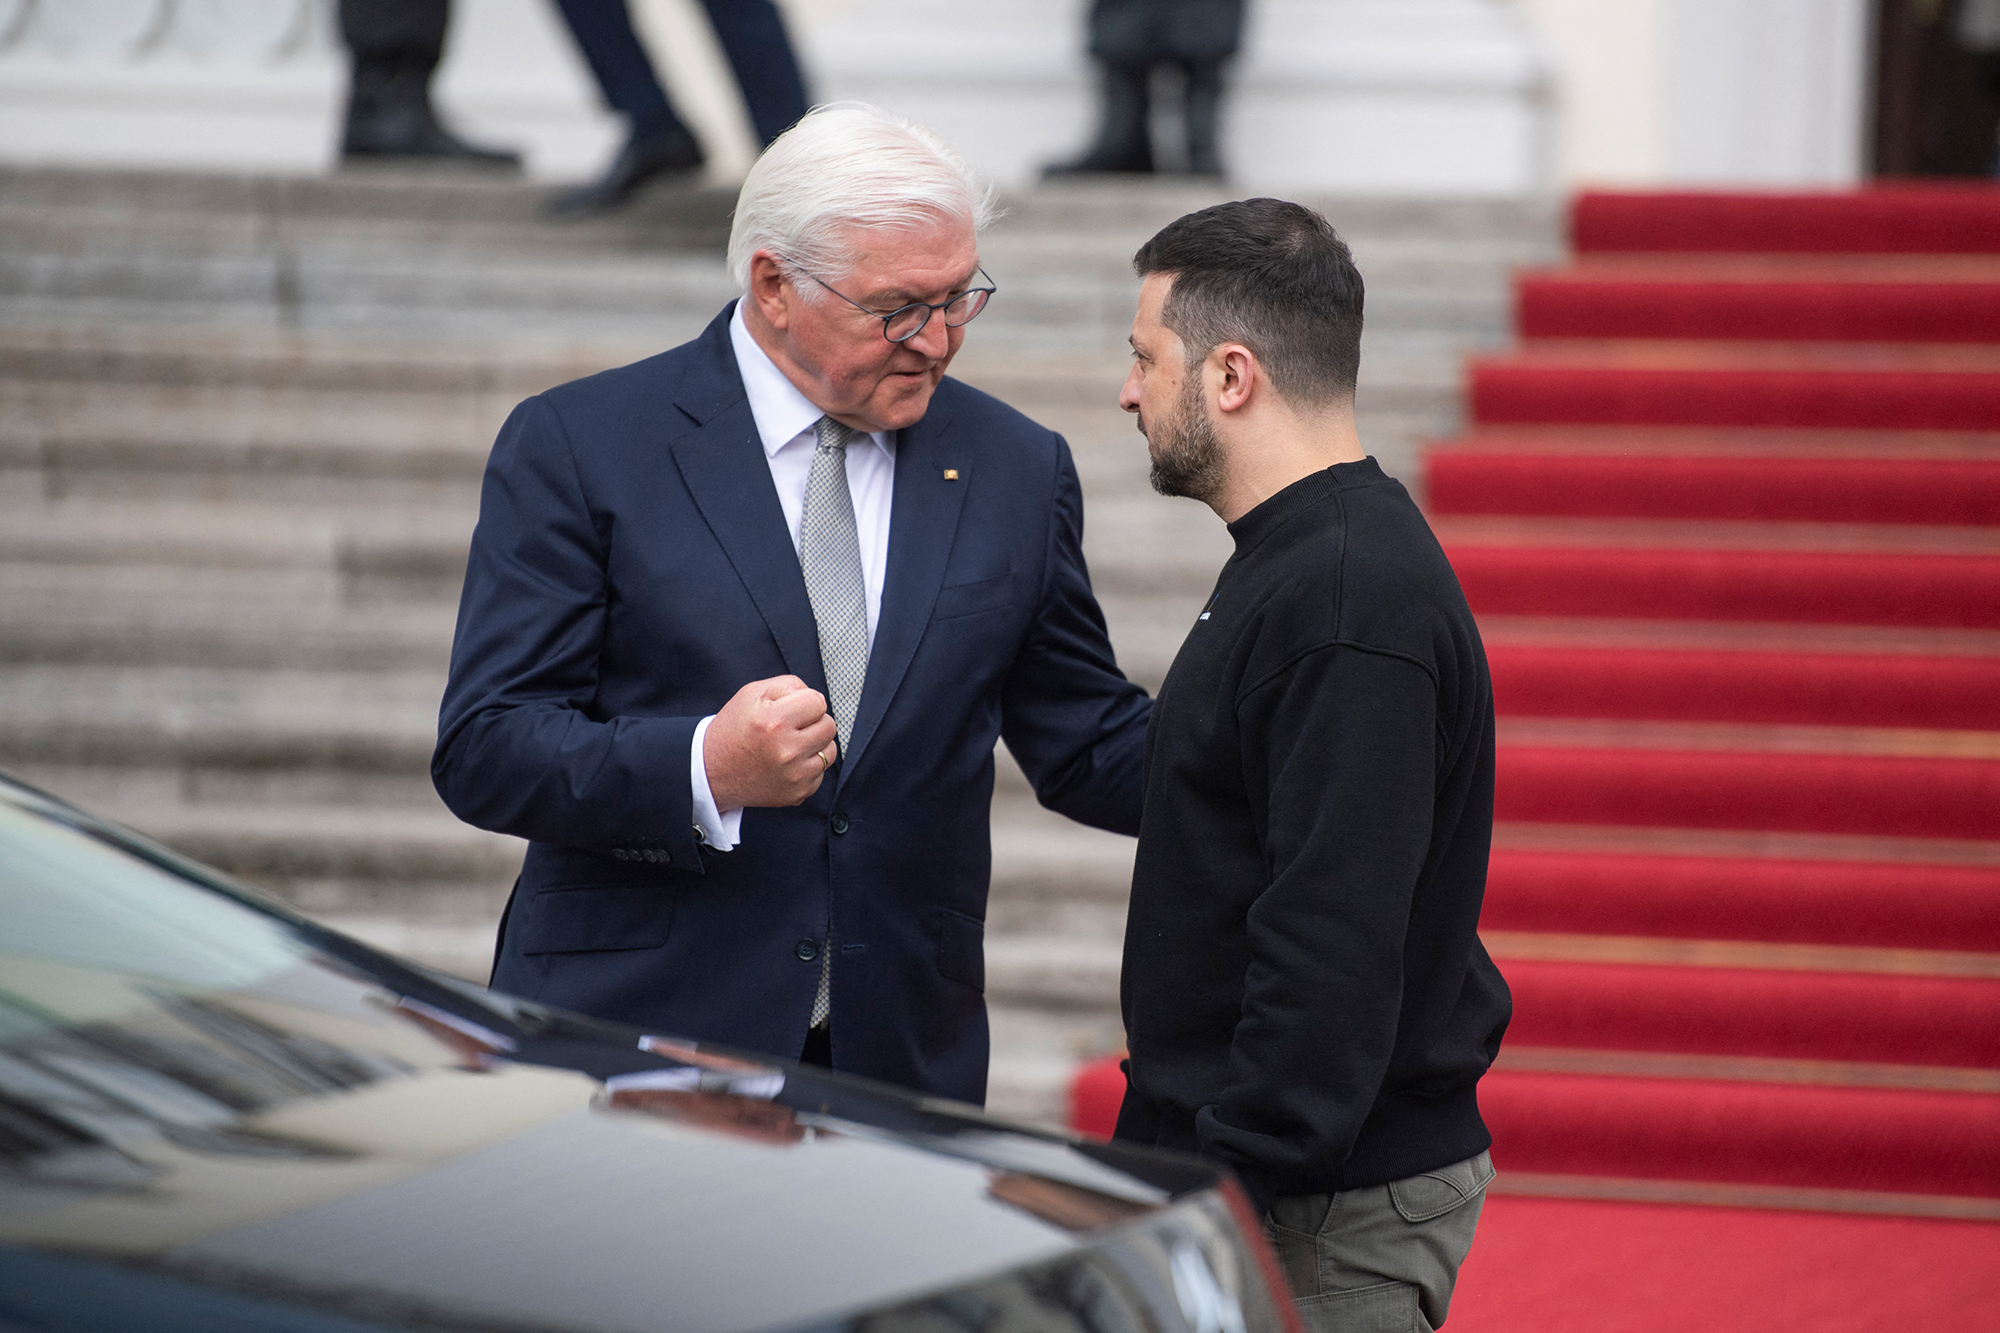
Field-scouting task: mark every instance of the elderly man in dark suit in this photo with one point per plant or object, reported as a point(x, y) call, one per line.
point(743, 622)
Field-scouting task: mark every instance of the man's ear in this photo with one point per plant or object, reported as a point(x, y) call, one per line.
point(1235, 375)
point(769, 291)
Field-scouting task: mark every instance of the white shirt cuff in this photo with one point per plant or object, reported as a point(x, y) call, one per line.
point(722, 829)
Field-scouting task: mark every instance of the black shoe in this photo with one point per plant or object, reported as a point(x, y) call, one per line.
point(1124, 141)
point(408, 131)
point(663, 153)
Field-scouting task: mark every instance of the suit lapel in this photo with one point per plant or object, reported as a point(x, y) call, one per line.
point(923, 520)
point(722, 461)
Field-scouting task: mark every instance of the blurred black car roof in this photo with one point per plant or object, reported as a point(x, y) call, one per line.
point(204, 1093)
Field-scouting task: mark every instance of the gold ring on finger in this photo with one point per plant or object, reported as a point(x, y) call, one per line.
point(823, 764)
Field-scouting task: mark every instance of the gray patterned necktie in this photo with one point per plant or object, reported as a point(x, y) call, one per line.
point(830, 555)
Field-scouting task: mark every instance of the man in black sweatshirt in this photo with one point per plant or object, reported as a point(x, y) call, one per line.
point(1305, 995)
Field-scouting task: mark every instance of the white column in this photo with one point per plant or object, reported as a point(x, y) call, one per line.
point(1765, 92)
point(1708, 92)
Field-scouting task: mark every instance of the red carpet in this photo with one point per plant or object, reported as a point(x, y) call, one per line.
point(1791, 793)
point(1791, 1015)
point(1886, 905)
point(1776, 301)
point(1948, 492)
point(1828, 587)
point(1940, 219)
point(1804, 688)
point(1796, 1136)
point(1718, 446)
point(1731, 523)
point(1574, 383)
point(1583, 1266)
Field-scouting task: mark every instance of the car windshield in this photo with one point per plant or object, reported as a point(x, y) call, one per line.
point(68, 897)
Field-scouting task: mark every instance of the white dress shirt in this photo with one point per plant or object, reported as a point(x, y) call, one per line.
point(785, 420)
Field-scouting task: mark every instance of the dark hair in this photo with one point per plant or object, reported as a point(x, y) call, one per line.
point(1273, 276)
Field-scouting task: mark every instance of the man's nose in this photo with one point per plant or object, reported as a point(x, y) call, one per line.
point(1128, 396)
point(933, 339)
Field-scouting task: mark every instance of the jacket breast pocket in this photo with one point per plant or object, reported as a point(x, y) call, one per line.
point(593, 918)
point(962, 949)
point(957, 600)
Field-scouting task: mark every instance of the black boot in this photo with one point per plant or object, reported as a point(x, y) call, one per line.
point(666, 151)
point(389, 118)
point(1201, 107)
point(1124, 140)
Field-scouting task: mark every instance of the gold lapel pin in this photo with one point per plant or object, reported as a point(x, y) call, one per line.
point(951, 474)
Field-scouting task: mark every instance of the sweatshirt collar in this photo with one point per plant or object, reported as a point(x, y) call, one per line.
point(1252, 528)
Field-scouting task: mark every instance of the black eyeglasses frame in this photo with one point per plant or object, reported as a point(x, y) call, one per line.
point(985, 294)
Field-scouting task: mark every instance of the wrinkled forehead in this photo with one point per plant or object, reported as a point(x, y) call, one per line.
point(939, 255)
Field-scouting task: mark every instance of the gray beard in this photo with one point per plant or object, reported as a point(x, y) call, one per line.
point(1187, 458)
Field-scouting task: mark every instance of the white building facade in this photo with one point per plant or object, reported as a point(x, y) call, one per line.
point(1490, 98)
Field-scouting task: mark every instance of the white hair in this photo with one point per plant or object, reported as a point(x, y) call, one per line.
point(848, 165)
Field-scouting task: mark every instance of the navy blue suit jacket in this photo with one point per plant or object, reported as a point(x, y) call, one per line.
point(630, 572)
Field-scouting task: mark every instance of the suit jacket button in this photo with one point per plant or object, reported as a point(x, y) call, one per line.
point(807, 950)
point(621, 853)
point(840, 823)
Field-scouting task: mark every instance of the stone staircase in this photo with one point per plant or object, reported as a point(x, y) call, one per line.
point(242, 423)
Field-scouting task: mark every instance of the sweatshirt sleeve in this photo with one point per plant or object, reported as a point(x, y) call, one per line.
point(1340, 751)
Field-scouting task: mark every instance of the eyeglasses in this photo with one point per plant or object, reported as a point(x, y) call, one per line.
point(907, 321)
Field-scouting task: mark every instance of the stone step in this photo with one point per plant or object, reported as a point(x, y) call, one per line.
point(668, 219)
point(246, 719)
point(354, 806)
point(1059, 972)
point(79, 622)
point(383, 206)
point(1062, 222)
point(290, 361)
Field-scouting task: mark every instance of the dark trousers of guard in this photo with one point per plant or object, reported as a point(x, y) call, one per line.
point(396, 46)
point(753, 38)
point(1132, 42)
point(658, 144)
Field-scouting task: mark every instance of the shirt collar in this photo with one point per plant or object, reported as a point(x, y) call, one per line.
point(776, 404)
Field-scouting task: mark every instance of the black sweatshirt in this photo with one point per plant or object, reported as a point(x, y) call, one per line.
point(1305, 995)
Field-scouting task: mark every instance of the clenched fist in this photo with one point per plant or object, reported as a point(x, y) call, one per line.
point(770, 745)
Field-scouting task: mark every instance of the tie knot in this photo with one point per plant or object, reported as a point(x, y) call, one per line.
point(831, 434)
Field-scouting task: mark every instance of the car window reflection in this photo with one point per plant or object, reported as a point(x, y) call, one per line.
point(64, 896)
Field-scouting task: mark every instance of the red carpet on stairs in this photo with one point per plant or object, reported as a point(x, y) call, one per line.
point(1747, 789)
point(1730, 519)
point(1880, 1140)
point(1801, 689)
point(1719, 485)
point(1582, 1266)
point(1859, 904)
point(1734, 384)
point(1901, 220)
point(1771, 302)
point(1876, 1018)
point(1738, 582)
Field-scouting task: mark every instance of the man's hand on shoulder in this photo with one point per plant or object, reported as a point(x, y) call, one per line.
point(765, 747)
